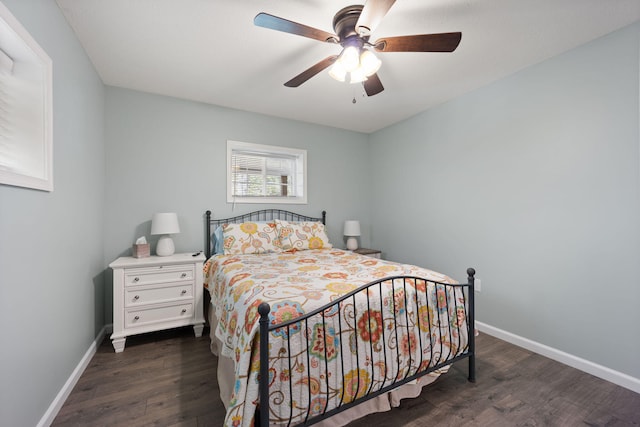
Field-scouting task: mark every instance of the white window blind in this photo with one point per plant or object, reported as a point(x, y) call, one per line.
point(261, 173)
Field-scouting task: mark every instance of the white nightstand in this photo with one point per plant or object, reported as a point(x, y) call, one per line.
point(155, 293)
point(374, 253)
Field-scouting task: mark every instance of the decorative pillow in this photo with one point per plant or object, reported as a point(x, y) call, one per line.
point(218, 239)
point(250, 238)
point(302, 235)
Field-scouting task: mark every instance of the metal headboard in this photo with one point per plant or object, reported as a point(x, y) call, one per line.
point(261, 215)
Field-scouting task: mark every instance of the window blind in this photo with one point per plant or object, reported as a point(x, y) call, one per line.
point(256, 174)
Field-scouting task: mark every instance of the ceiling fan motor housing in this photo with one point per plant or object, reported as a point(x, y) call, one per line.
point(344, 23)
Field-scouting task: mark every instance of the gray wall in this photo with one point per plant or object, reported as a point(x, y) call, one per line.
point(51, 244)
point(165, 154)
point(533, 180)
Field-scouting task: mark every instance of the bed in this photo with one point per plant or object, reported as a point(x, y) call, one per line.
point(310, 334)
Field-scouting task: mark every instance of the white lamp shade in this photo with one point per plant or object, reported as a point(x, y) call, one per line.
point(165, 223)
point(352, 228)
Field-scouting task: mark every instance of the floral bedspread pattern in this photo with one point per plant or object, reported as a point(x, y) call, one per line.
point(382, 334)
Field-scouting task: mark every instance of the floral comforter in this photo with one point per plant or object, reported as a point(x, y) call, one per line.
point(365, 330)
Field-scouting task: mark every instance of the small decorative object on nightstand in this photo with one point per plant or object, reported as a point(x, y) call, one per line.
point(155, 293)
point(141, 248)
point(352, 231)
point(375, 253)
point(165, 224)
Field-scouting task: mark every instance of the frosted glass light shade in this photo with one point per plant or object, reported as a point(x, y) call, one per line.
point(357, 63)
point(357, 76)
point(369, 63)
point(350, 58)
point(337, 71)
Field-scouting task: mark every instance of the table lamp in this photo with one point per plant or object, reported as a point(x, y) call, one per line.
point(352, 230)
point(165, 224)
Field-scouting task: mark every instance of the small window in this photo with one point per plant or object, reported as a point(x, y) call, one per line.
point(265, 174)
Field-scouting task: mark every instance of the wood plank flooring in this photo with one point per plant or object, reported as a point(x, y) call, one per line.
point(169, 379)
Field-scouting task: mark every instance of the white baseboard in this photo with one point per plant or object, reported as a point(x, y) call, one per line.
point(56, 405)
point(623, 380)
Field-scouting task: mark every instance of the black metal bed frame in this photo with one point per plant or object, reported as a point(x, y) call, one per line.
point(465, 290)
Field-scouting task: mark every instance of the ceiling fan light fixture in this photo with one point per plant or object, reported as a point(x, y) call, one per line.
point(358, 75)
point(357, 63)
point(353, 26)
point(338, 72)
point(350, 58)
point(369, 62)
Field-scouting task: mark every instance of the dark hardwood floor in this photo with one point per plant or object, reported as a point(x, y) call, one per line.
point(169, 379)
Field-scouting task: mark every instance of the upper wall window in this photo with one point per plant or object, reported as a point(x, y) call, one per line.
point(26, 112)
point(265, 174)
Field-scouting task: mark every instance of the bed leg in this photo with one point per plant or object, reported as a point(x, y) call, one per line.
point(263, 383)
point(207, 248)
point(472, 368)
point(472, 325)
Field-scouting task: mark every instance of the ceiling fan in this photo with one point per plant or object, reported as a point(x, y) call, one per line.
point(353, 26)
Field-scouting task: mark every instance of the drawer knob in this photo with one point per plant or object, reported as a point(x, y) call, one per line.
point(136, 318)
point(184, 291)
point(184, 310)
point(183, 275)
point(137, 279)
point(136, 297)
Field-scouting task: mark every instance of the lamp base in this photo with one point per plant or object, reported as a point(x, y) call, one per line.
point(165, 246)
point(352, 243)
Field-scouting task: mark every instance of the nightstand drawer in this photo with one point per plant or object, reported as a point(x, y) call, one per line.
point(160, 274)
point(140, 317)
point(151, 295)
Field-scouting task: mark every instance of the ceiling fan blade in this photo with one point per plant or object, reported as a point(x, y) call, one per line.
point(443, 42)
point(371, 15)
point(310, 72)
point(280, 24)
point(373, 85)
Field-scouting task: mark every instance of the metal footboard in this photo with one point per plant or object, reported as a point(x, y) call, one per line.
point(422, 328)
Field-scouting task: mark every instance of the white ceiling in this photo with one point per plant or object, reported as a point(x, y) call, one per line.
point(210, 51)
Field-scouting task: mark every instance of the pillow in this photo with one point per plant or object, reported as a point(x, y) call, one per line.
point(249, 238)
point(302, 235)
point(218, 238)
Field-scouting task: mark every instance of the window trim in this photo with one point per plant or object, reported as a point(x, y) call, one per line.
point(277, 151)
point(26, 152)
